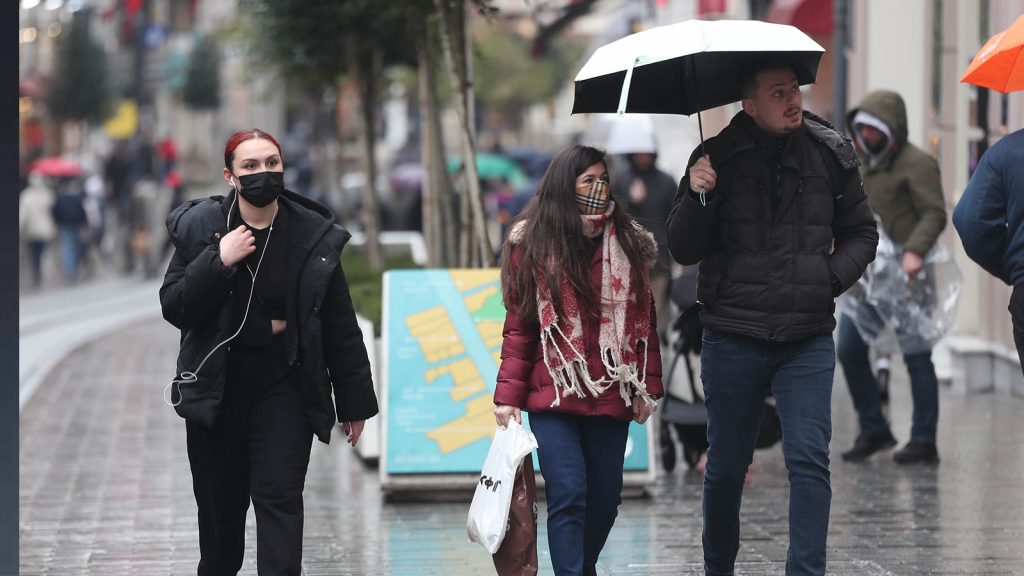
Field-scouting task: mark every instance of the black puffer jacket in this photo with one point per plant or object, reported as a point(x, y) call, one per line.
point(775, 252)
point(322, 334)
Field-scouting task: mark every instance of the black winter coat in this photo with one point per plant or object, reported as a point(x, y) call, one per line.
point(322, 336)
point(775, 252)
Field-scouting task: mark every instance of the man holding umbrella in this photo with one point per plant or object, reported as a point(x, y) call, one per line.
point(774, 209)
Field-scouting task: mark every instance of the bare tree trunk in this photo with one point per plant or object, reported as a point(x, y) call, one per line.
point(460, 84)
point(439, 223)
point(330, 161)
point(363, 70)
point(428, 194)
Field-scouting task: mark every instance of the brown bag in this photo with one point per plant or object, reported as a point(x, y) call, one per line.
point(517, 555)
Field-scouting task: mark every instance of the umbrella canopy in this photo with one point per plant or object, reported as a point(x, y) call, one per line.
point(494, 166)
point(999, 64)
point(688, 67)
point(56, 166)
point(407, 177)
point(631, 135)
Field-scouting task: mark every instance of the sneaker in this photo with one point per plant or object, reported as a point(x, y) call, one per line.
point(868, 444)
point(917, 453)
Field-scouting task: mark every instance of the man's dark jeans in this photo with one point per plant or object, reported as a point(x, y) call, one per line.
point(738, 372)
point(924, 385)
point(581, 458)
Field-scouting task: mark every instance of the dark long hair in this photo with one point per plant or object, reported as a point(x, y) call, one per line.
point(547, 236)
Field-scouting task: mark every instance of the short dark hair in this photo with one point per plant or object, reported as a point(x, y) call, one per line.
point(749, 83)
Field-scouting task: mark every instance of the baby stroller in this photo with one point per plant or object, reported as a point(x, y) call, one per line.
point(688, 417)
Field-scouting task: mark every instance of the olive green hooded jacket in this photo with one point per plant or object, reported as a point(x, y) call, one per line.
point(902, 181)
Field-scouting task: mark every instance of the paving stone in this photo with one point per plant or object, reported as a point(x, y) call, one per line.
point(106, 489)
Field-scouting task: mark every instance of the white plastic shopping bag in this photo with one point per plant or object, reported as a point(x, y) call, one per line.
point(488, 513)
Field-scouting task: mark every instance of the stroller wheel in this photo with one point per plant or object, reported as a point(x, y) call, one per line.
point(668, 449)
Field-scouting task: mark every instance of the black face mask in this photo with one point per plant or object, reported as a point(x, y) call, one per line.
point(262, 188)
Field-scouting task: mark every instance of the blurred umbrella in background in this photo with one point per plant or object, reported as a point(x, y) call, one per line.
point(494, 167)
point(407, 177)
point(632, 134)
point(533, 162)
point(57, 166)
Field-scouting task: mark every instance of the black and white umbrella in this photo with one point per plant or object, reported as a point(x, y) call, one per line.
point(688, 67)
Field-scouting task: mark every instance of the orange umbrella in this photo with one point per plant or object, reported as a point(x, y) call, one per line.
point(999, 64)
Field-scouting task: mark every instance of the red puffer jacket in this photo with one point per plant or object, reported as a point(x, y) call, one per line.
point(523, 378)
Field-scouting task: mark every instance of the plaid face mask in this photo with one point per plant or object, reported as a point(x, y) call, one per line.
point(592, 198)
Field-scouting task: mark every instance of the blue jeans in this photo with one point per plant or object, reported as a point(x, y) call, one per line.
point(738, 372)
point(924, 385)
point(581, 458)
point(70, 250)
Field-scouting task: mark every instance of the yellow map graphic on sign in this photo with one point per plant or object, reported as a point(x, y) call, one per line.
point(438, 340)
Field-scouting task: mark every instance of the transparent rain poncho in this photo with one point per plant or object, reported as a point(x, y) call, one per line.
point(919, 312)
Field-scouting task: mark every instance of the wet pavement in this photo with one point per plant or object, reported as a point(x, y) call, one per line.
point(106, 490)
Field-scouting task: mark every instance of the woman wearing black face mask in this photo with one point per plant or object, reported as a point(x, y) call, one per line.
point(268, 333)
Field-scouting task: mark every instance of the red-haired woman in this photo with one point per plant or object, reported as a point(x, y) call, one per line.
point(268, 332)
point(580, 350)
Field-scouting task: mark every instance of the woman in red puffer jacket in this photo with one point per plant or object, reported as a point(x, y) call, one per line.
point(581, 351)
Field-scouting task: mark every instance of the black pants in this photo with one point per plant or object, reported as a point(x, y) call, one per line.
point(259, 449)
point(1016, 308)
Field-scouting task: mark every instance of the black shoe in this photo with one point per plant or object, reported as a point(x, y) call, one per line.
point(917, 453)
point(868, 444)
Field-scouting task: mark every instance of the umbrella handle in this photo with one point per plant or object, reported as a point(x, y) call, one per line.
point(700, 128)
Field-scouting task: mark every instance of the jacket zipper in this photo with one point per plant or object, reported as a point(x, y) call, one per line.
point(799, 215)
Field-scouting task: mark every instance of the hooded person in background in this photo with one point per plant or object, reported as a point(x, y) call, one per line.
point(648, 193)
point(905, 193)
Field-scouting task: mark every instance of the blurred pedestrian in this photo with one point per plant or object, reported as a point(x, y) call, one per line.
point(905, 191)
point(580, 350)
point(252, 408)
point(72, 221)
point(96, 216)
point(36, 226)
point(648, 192)
point(776, 247)
point(117, 171)
point(120, 175)
point(990, 221)
point(167, 155)
point(150, 199)
point(174, 183)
